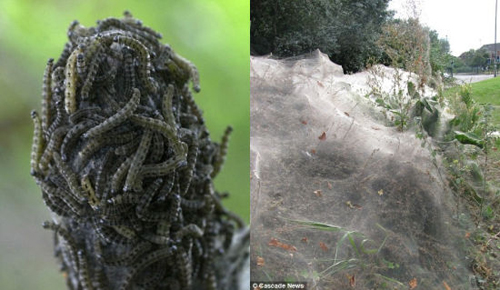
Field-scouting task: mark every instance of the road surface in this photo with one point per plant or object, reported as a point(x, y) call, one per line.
point(461, 78)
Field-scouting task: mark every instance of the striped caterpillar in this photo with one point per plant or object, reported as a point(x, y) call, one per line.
point(130, 186)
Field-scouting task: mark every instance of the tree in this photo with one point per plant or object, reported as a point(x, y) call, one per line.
point(440, 57)
point(480, 58)
point(359, 28)
point(289, 28)
point(406, 45)
point(344, 30)
point(475, 58)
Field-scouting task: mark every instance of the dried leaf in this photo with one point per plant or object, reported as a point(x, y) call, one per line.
point(313, 151)
point(380, 192)
point(322, 137)
point(467, 235)
point(353, 205)
point(304, 122)
point(413, 283)
point(352, 281)
point(275, 243)
point(357, 206)
point(260, 261)
point(329, 185)
point(318, 193)
point(323, 246)
point(304, 239)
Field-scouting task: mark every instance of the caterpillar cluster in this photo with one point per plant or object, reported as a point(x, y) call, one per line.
point(125, 164)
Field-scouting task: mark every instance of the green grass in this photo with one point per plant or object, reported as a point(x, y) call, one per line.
point(485, 92)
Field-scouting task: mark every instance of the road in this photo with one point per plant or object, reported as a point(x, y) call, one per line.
point(462, 78)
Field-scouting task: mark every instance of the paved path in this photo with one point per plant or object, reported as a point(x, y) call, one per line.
point(471, 78)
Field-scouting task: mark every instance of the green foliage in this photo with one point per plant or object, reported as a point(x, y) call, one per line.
point(459, 169)
point(469, 138)
point(406, 45)
point(290, 27)
point(345, 30)
point(488, 212)
point(475, 58)
point(358, 31)
point(465, 110)
point(473, 171)
point(440, 58)
point(409, 45)
point(457, 64)
point(390, 265)
point(403, 102)
point(485, 92)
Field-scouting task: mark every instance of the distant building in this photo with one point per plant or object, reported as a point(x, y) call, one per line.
point(490, 48)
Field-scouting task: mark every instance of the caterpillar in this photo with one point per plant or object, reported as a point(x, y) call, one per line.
point(123, 159)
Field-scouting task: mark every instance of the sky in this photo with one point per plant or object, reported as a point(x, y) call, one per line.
point(466, 24)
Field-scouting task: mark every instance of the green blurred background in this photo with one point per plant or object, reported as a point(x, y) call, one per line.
point(214, 35)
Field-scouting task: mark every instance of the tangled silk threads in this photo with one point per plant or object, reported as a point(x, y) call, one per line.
point(125, 164)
